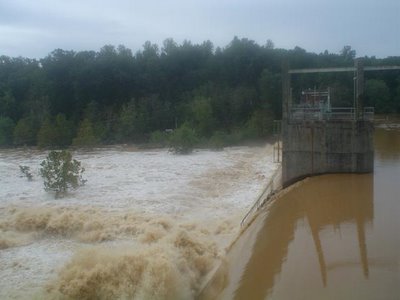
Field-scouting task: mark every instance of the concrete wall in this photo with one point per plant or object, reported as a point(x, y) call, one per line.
point(319, 147)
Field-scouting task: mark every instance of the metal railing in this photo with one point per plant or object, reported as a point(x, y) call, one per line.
point(277, 151)
point(369, 113)
point(335, 113)
point(273, 185)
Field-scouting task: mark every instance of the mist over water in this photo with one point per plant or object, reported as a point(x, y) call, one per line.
point(147, 225)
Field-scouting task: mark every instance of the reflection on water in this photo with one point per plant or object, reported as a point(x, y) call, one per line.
point(320, 207)
point(329, 237)
point(387, 145)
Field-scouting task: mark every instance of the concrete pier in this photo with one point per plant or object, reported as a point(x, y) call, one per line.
point(320, 147)
point(325, 140)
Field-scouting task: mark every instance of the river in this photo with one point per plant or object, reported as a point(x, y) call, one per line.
point(147, 225)
point(326, 237)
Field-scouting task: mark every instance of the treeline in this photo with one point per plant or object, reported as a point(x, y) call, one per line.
point(115, 96)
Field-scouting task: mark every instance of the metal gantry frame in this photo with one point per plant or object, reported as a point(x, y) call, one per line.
point(358, 70)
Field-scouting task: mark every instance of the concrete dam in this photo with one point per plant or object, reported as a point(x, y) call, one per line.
point(332, 236)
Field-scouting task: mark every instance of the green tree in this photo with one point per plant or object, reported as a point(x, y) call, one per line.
point(97, 117)
point(378, 95)
point(8, 105)
point(171, 84)
point(59, 68)
point(397, 97)
point(347, 53)
point(126, 123)
point(85, 136)
point(203, 118)
point(270, 92)
point(183, 140)
point(47, 134)
point(159, 138)
point(260, 124)
point(25, 132)
point(243, 101)
point(218, 140)
point(6, 131)
point(60, 172)
point(57, 133)
point(64, 131)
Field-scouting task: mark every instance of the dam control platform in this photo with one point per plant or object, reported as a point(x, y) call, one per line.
point(319, 138)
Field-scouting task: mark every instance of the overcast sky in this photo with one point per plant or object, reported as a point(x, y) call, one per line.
point(34, 28)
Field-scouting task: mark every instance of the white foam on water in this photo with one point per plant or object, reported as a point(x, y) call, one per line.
point(150, 198)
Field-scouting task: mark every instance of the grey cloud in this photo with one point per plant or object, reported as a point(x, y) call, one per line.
point(369, 26)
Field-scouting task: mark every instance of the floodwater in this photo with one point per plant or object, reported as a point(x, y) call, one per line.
point(327, 237)
point(147, 224)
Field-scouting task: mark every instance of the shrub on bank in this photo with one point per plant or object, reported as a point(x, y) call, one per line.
point(159, 138)
point(218, 140)
point(183, 140)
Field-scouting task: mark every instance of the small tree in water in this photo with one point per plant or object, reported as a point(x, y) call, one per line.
point(60, 172)
point(26, 171)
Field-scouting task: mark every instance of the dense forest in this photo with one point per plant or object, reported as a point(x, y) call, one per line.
point(115, 96)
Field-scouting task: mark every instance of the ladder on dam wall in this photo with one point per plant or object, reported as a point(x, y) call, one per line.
point(277, 147)
point(272, 186)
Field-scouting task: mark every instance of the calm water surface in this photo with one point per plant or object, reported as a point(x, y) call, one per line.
point(329, 237)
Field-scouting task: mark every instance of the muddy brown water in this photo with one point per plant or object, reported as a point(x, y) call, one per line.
point(327, 237)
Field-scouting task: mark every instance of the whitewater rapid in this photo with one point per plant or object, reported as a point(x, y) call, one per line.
point(148, 224)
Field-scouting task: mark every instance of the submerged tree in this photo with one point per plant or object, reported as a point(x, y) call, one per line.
point(60, 172)
point(26, 171)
